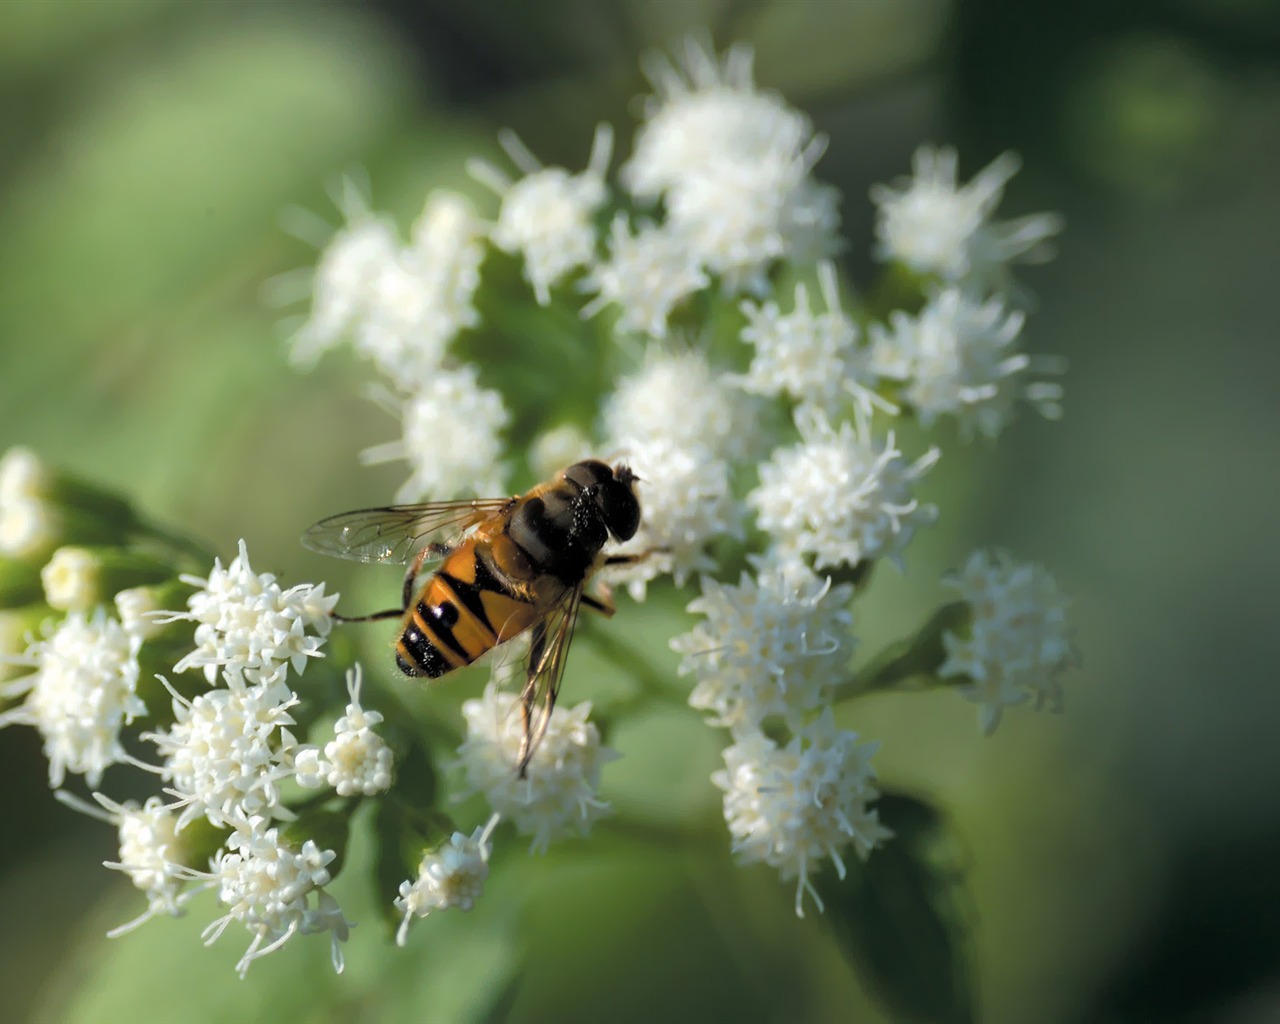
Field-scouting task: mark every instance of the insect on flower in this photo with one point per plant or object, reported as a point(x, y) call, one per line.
point(506, 565)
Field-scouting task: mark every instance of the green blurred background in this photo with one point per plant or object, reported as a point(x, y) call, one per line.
point(1123, 860)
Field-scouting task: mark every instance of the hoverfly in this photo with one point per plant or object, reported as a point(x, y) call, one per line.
point(506, 565)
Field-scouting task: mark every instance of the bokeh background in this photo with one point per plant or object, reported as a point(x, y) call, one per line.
point(1122, 861)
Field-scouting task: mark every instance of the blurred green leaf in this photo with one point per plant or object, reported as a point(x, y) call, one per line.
point(894, 917)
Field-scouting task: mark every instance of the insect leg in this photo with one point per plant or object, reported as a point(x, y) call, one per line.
point(537, 652)
point(603, 604)
point(389, 613)
point(639, 556)
point(436, 550)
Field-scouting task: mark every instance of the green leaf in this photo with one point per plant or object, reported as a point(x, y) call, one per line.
point(895, 918)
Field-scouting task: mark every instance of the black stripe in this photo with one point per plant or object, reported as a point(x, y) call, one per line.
point(469, 594)
point(443, 631)
point(419, 647)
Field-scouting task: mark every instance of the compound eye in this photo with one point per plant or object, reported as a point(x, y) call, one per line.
point(621, 511)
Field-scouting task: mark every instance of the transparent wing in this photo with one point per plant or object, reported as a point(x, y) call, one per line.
point(395, 533)
point(548, 654)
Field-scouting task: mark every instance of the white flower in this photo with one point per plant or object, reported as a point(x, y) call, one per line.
point(82, 693)
point(686, 502)
point(840, 495)
point(29, 527)
point(451, 441)
point(423, 297)
point(559, 795)
point(957, 357)
point(357, 760)
point(228, 751)
point(23, 477)
point(792, 806)
point(812, 358)
point(933, 226)
point(342, 288)
point(676, 398)
point(546, 216)
point(732, 165)
point(246, 624)
point(268, 885)
point(137, 608)
point(451, 875)
point(774, 644)
point(71, 579)
point(1019, 640)
point(647, 275)
point(152, 852)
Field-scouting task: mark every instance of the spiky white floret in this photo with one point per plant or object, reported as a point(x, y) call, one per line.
point(357, 761)
point(269, 883)
point(790, 807)
point(841, 496)
point(81, 694)
point(776, 643)
point(1019, 641)
point(451, 439)
point(451, 875)
point(957, 357)
point(647, 275)
point(935, 226)
point(558, 797)
point(547, 215)
point(248, 625)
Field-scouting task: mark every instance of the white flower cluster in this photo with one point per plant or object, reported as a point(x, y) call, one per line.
point(558, 797)
point(789, 807)
point(956, 357)
point(250, 628)
point(357, 760)
point(81, 694)
point(775, 646)
point(268, 884)
point(401, 306)
point(451, 875)
point(1019, 640)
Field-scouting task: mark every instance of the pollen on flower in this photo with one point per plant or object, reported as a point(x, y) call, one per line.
point(82, 693)
point(934, 226)
point(546, 216)
point(840, 495)
point(957, 357)
point(268, 885)
point(452, 404)
point(451, 875)
point(790, 807)
point(558, 797)
point(647, 275)
point(1019, 641)
point(688, 502)
point(248, 625)
point(774, 644)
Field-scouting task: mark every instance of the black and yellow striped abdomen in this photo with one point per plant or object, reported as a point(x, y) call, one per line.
point(464, 610)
